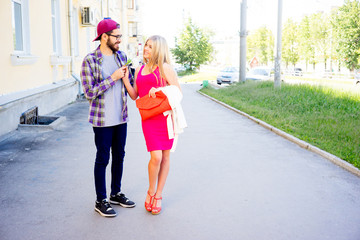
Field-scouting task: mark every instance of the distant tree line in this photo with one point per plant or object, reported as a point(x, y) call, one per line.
point(330, 38)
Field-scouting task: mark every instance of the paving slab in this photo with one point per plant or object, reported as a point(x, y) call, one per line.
point(229, 178)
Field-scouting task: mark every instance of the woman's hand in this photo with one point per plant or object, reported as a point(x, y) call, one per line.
point(131, 89)
point(152, 92)
point(126, 73)
point(119, 73)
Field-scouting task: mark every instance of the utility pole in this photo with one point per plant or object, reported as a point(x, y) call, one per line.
point(277, 78)
point(242, 63)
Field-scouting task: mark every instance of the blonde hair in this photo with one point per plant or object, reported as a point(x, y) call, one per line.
point(159, 56)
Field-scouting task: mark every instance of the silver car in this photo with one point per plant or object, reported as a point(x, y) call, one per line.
point(357, 77)
point(228, 75)
point(298, 72)
point(260, 73)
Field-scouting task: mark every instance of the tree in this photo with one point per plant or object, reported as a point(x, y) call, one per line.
point(290, 43)
point(335, 55)
point(346, 29)
point(261, 44)
point(307, 46)
point(320, 32)
point(193, 47)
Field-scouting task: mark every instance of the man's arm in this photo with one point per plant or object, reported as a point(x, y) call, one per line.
point(92, 88)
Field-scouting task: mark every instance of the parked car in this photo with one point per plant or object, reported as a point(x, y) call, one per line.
point(357, 77)
point(327, 74)
point(298, 72)
point(179, 68)
point(260, 73)
point(228, 75)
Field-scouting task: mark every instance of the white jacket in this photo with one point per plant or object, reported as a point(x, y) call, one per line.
point(175, 117)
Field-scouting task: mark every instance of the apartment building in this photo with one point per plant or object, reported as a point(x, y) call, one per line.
point(43, 45)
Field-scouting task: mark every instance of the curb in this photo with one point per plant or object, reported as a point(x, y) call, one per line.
point(334, 159)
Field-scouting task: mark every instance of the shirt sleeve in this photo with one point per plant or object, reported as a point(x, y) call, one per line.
point(93, 84)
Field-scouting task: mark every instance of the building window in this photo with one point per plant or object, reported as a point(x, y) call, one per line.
point(55, 22)
point(17, 27)
point(132, 29)
point(130, 4)
point(21, 33)
point(20, 25)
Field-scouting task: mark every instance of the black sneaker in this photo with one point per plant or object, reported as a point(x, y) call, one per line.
point(121, 200)
point(104, 208)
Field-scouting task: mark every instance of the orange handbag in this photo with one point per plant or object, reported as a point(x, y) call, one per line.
point(150, 107)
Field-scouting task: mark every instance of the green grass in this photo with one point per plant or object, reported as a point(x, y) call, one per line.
point(320, 80)
point(323, 117)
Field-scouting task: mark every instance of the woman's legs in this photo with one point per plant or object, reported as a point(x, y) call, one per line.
point(153, 169)
point(163, 173)
point(158, 168)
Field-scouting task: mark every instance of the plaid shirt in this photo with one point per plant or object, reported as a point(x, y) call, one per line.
point(95, 86)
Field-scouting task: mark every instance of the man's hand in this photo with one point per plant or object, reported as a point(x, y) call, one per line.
point(119, 73)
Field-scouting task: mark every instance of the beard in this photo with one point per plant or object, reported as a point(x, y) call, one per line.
point(112, 46)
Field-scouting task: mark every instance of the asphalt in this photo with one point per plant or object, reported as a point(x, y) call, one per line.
point(230, 178)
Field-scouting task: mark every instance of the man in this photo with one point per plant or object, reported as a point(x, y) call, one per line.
point(101, 75)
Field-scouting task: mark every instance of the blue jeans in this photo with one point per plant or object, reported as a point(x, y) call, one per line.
point(107, 138)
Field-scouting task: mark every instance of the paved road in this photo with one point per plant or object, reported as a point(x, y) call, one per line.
point(229, 179)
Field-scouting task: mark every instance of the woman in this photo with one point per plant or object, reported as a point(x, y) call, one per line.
point(157, 72)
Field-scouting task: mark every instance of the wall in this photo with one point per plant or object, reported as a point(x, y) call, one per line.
point(49, 82)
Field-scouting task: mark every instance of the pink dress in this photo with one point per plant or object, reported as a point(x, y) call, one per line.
point(155, 128)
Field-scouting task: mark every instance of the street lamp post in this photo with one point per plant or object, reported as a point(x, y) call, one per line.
point(277, 78)
point(242, 63)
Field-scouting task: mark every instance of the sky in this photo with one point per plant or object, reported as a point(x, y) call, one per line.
point(165, 17)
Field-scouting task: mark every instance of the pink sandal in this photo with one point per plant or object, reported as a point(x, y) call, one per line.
point(148, 206)
point(156, 210)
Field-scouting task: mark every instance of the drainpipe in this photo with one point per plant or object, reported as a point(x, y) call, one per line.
point(102, 9)
point(72, 48)
point(123, 20)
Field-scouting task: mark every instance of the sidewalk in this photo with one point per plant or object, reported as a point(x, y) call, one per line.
point(229, 179)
